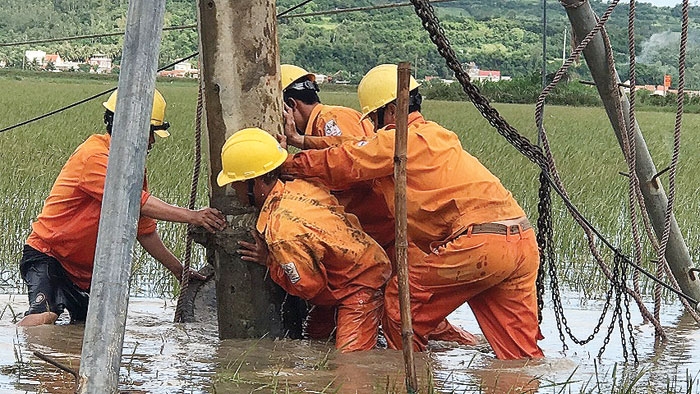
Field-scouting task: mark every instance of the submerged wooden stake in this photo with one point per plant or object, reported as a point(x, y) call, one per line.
point(400, 159)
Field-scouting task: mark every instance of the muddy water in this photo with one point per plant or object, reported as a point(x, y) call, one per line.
point(162, 357)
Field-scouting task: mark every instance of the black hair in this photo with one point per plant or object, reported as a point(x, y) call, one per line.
point(109, 120)
point(304, 90)
point(414, 101)
point(272, 176)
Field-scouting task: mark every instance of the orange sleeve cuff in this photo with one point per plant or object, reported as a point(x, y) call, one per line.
point(144, 197)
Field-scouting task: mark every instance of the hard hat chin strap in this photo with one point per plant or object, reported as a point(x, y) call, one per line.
point(251, 195)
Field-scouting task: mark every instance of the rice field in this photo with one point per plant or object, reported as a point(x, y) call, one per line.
point(586, 152)
point(587, 155)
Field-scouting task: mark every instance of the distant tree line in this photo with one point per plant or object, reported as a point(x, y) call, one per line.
point(498, 34)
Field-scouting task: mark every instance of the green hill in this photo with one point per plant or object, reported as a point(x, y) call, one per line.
point(503, 35)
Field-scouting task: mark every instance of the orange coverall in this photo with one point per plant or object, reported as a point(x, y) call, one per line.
point(319, 252)
point(331, 126)
point(448, 192)
point(66, 228)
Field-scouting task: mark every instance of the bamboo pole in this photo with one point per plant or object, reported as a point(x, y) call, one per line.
point(109, 297)
point(400, 159)
point(583, 20)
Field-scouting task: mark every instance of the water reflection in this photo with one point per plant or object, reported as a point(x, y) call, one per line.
point(162, 357)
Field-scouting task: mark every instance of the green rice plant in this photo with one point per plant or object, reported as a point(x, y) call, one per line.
point(584, 146)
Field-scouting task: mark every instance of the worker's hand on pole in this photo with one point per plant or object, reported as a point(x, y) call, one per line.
point(194, 274)
point(290, 129)
point(255, 252)
point(210, 218)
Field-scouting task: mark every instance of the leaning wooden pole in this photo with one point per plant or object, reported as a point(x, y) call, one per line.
point(583, 20)
point(240, 66)
point(400, 159)
point(109, 296)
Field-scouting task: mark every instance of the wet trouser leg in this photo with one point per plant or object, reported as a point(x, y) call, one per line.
point(494, 273)
point(320, 322)
point(359, 316)
point(445, 331)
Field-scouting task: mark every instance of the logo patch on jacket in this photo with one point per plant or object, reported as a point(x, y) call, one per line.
point(291, 271)
point(40, 298)
point(331, 128)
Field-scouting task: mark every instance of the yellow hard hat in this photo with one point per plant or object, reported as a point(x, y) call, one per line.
point(290, 73)
point(158, 123)
point(378, 87)
point(247, 154)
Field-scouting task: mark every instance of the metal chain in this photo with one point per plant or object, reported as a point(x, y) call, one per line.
point(534, 153)
point(628, 313)
point(543, 240)
point(185, 280)
point(539, 119)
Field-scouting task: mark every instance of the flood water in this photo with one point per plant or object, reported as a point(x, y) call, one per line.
point(162, 357)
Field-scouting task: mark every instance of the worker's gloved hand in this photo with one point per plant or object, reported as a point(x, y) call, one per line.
point(210, 218)
point(255, 252)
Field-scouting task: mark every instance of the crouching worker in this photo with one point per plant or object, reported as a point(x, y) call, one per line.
point(311, 246)
point(57, 260)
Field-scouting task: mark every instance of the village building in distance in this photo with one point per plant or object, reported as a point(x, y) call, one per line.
point(181, 70)
point(97, 64)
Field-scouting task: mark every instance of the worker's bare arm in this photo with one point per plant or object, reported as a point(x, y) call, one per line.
point(209, 218)
point(155, 247)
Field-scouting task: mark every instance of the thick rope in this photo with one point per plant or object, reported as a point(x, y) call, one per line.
point(185, 280)
point(630, 148)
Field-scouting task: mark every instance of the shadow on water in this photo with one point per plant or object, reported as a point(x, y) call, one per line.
point(162, 357)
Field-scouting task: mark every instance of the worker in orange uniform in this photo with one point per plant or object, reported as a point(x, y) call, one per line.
point(57, 260)
point(469, 240)
point(312, 247)
point(319, 126)
point(312, 125)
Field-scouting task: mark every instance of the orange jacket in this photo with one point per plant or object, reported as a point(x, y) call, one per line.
point(66, 229)
point(332, 125)
point(335, 121)
point(316, 250)
point(447, 190)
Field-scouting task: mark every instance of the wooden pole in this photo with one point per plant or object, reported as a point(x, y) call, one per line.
point(240, 67)
point(109, 296)
point(404, 78)
point(583, 20)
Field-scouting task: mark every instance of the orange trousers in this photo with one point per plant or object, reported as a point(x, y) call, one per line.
point(494, 273)
point(356, 320)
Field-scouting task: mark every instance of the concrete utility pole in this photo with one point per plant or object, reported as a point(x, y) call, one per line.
point(583, 20)
point(109, 297)
point(240, 67)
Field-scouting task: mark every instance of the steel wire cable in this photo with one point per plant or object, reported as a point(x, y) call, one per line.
point(94, 96)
